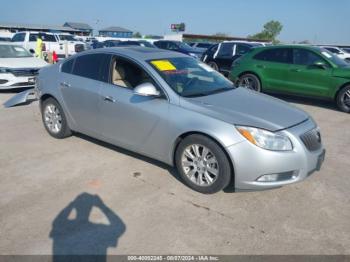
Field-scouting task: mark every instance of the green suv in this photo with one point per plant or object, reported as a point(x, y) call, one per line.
point(298, 70)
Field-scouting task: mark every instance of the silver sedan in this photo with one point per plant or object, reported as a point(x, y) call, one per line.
point(173, 108)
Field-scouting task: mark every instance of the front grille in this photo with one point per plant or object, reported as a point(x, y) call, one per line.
point(312, 139)
point(24, 72)
point(23, 84)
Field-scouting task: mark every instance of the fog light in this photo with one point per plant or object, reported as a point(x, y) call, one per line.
point(278, 177)
point(268, 178)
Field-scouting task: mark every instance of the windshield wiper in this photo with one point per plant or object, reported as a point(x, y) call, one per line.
point(196, 95)
point(210, 93)
point(220, 90)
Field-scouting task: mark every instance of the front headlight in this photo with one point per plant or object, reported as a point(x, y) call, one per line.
point(266, 139)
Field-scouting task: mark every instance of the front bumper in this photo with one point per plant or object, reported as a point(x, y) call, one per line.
point(10, 81)
point(251, 162)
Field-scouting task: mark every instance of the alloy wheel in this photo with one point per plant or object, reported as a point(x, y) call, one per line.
point(346, 98)
point(53, 118)
point(200, 165)
point(249, 83)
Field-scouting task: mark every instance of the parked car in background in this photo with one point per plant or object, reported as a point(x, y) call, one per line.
point(346, 49)
point(339, 52)
point(18, 67)
point(298, 70)
point(110, 43)
point(180, 47)
point(202, 45)
point(62, 37)
point(221, 56)
point(142, 43)
point(5, 36)
point(176, 109)
point(52, 42)
point(97, 44)
point(113, 43)
point(5, 39)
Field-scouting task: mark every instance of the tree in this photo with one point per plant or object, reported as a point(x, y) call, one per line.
point(271, 30)
point(137, 35)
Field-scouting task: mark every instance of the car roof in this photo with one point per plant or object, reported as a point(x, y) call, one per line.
point(309, 47)
point(329, 46)
point(138, 52)
point(174, 41)
point(35, 32)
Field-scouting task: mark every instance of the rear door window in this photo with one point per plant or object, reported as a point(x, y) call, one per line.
point(242, 49)
point(93, 66)
point(278, 55)
point(67, 66)
point(226, 49)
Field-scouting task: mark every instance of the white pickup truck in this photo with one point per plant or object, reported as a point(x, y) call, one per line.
point(62, 43)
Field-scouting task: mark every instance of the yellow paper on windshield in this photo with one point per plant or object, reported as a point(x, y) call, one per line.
point(163, 65)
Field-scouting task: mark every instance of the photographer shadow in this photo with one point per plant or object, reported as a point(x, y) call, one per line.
point(76, 238)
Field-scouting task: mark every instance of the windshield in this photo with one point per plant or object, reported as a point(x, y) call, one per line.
point(185, 46)
point(67, 38)
point(190, 78)
point(147, 44)
point(11, 51)
point(333, 58)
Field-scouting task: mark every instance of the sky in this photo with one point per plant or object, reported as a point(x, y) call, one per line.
point(318, 21)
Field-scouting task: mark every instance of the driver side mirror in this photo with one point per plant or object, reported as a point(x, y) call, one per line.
point(146, 89)
point(320, 65)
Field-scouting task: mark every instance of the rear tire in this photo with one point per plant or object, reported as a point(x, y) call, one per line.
point(54, 119)
point(202, 164)
point(213, 65)
point(250, 81)
point(343, 99)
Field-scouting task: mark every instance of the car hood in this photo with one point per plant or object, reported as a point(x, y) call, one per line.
point(22, 62)
point(245, 107)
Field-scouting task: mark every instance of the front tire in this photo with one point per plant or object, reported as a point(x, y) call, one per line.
point(250, 81)
point(54, 119)
point(343, 99)
point(202, 164)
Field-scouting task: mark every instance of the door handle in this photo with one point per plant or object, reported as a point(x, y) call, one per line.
point(65, 84)
point(296, 70)
point(109, 99)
